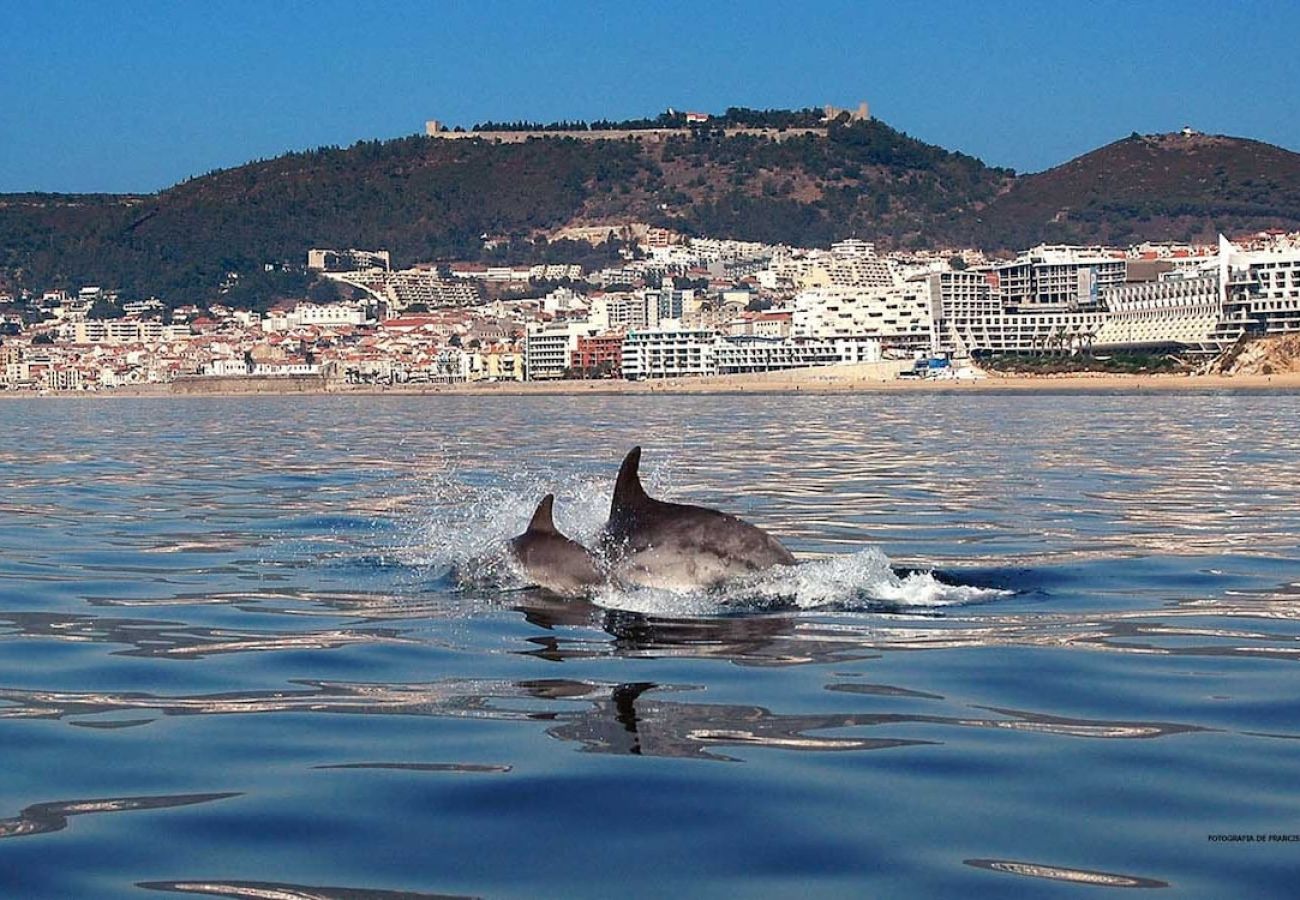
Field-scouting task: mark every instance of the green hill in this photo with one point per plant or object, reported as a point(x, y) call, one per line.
point(244, 232)
point(1152, 187)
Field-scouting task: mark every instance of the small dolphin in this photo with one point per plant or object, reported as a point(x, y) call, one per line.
point(651, 543)
point(551, 560)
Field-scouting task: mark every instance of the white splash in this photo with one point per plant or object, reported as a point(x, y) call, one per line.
point(859, 581)
point(465, 534)
point(468, 522)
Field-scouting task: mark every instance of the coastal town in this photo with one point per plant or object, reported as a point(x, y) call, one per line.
point(667, 306)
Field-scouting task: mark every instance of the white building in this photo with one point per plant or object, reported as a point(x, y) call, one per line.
point(64, 378)
point(113, 331)
point(15, 373)
point(848, 264)
point(320, 315)
point(764, 354)
point(1030, 332)
point(646, 308)
point(283, 369)
point(1180, 308)
point(960, 302)
point(1056, 277)
point(669, 353)
point(226, 367)
point(896, 316)
point(565, 303)
point(1055, 299)
point(410, 286)
point(1260, 290)
point(138, 308)
point(555, 272)
point(548, 348)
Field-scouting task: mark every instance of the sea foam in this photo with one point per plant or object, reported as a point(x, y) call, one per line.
point(464, 533)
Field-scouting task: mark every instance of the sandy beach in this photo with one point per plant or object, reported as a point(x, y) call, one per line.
point(866, 378)
point(851, 379)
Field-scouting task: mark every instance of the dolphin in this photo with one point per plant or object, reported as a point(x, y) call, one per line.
point(651, 543)
point(551, 560)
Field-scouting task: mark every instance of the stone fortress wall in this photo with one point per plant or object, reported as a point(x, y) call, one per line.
point(653, 135)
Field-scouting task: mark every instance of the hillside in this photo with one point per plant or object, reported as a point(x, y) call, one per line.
point(1152, 187)
point(428, 199)
point(423, 199)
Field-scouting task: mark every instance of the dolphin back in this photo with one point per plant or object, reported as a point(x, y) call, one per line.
point(655, 543)
point(551, 560)
point(628, 492)
point(543, 520)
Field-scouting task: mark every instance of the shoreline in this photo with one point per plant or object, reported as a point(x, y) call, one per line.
point(845, 380)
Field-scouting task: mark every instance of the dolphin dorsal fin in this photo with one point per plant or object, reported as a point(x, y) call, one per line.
point(627, 489)
point(542, 521)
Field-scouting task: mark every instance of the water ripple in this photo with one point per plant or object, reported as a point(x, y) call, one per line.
point(1064, 624)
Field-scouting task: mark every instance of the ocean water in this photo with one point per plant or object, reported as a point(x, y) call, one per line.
point(1039, 645)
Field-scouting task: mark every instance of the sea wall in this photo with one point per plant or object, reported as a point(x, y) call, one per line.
point(251, 384)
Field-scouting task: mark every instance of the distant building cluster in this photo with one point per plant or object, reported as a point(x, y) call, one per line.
point(677, 307)
point(1194, 299)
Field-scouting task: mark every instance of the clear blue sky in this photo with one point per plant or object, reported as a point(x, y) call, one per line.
point(134, 95)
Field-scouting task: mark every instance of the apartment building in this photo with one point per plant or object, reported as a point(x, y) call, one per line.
point(1029, 332)
point(850, 263)
point(958, 301)
point(1261, 290)
point(323, 260)
point(640, 309)
point(1178, 309)
point(112, 331)
point(896, 316)
point(318, 315)
point(497, 362)
point(754, 353)
point(598, 353)
point(1055, 277)
point(549, 349)
point(668, 353)
point(410, 286)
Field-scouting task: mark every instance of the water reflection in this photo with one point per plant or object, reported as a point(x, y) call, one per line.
point(274, 890)
point(626, 722)
point(463, 768)
point(1060, 873)
point(43, 818)
point(788, 639)
point(751, 639)
point(631, 718)
point(148, 637)
point(573, 630)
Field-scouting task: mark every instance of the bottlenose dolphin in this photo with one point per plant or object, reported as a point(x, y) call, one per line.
point(651, 543)
point(550, 559)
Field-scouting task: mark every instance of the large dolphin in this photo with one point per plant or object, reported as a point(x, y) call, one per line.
point(651, 543)
point(551, 560)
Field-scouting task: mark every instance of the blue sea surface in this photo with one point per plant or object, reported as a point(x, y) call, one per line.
point(1039, 645)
